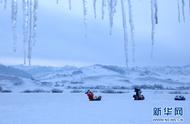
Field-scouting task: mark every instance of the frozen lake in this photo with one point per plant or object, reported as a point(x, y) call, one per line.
point(47, 108)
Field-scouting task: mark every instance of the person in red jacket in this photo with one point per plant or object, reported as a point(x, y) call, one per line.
point(90, 95)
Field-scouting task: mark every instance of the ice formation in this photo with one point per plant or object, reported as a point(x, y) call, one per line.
point(183, 9)
point(179, 12)
point(154, 21)
point(94, 6)
point(131, 22)
point(189, 6)
point(103, 8)
point(29, 27)
point(85, 15)
point(14, 10)
point(112, 9)
point(30, 20)
point(70, 5)
point(124, 31)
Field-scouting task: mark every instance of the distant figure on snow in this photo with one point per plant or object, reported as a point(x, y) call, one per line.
point(91, 96)
point(138, 95)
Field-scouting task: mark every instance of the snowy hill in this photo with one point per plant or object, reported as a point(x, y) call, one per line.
point(100, 78)
point(11, 78)
point(160, 86)
point(8, 70)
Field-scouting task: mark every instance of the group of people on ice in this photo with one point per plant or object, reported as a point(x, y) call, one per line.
point(137, 96)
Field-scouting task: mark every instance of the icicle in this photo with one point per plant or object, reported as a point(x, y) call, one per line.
point(29, 27)
point(183, 9)
point(154, 21)
point(70, 5)
point(131, 23)
point(35, 7)
point(112, 9)
point(85, 14)
point(189, 6)
point(153, 26)
point(179, 13)
point(30, 33)
point(14, 23)
point(25, 26)
point(5, 4)
point(156, 11)
point(125, 32)
point(103, 6)
point(94, 6)
point(57, 1)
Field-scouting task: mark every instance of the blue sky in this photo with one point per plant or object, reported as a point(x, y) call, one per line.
point(61, 41)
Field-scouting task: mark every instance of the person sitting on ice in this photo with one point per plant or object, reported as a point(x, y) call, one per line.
point(138, 95)
point(91, 96)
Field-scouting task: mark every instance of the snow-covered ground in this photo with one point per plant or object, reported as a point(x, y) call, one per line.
point(31, 100)
point(19, 108)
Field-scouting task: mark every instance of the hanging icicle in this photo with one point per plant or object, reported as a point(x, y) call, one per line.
point(30, 21)
point(112, 9)
point(57, 1)
point(25, 26)
point(153, 22)
point(124, 31)
point(85, 15)
point(34, 28)
point(29, 27)
point(183, 9)
point(14, 23)
point(94, 7)
point(5, 4)
point(189, 6)
point(131, 23)
point(156, 11)
point(103, 6)
point(30, 33)
point(179, 12)
point(70, 5)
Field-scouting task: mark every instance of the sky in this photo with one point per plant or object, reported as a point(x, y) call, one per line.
point(61, 35)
